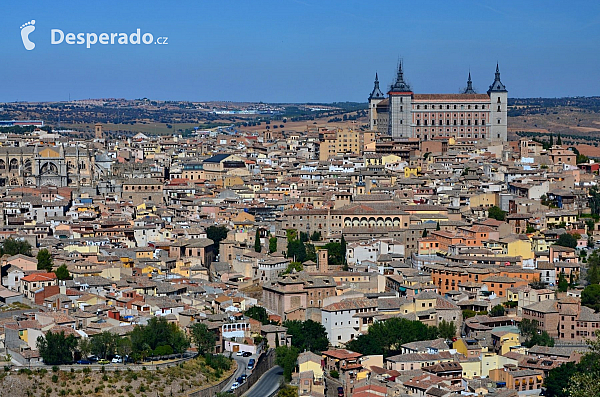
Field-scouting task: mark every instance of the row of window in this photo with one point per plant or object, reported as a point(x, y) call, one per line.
point(145, 187)
point(433, 107)
point(455, 122)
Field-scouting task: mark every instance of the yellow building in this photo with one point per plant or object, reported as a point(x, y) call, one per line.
point(471, 367)
point(490, 361)
point(411, 172)
point(517, 246)
point(483, 200)
point(468, 347)
point(339, 140)
point(309, 361)
point(504, 340)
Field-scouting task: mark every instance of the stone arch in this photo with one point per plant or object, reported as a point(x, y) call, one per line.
point(13, 165)
point(2, 164)
point(388, 222)
point(380, 222)
point(27, 168)
point(364, 222)
point(49, 168)
point(396, 222)
point(14, 182)
point(355, 222)
point(372, 222)
point(348, 222)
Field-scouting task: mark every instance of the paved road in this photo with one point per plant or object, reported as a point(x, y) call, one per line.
point(242, 363)
point(267, 383)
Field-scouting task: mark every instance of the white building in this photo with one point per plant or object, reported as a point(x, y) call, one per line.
point(340, 321)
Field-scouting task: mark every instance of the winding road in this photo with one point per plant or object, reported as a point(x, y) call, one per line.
point(267, 384)
point(242, 363)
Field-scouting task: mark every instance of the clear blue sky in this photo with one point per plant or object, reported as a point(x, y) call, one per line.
point(300, 51)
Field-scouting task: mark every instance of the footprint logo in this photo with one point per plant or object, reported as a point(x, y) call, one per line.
point(26, 29)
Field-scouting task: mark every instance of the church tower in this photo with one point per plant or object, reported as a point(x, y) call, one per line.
point(400, 98)
point(98, 131)
point(375, 97)
point(498, 109)
point(469, 89)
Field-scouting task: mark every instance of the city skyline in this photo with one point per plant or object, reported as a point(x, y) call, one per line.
point(299, 51)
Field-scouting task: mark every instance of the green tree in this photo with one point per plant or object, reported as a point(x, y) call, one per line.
point(447, 330)
point(593, 273)
point(286, 357)
point(437, 227)
point(62, 273)
point(12, 246)
point(217, 234)
point(387, 337)
point(311, 253)
point(203, 338)
point(272, 244)
point(496, 213)
point(343, 248)
point(307, 335)
point(158, 332)
point(424, 233)
point(296, 250)
point(563, 284)
point(84, 347)
point(104, 344)
point(44, 259)
point(551, 140)
point(468, 313)
point(539, 339)
point(559, 141)
point(257, 245)
point(258, 313)
point(294, 267)
point(558, 378)
point(594, 200)
point(497, 311)
point(316, 236)
point(586, 381)
point(567, 240)
point(590, 297)
point(55, 348)
point(303, 237)
point(528, 327)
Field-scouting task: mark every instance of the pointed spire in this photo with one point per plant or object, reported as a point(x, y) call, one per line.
point(400, 85)
point(376, 93)
point(469, 89)
point(497, 84)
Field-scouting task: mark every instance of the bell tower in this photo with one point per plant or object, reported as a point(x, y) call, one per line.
point(498, 109)
point(375, 97)
point(400, 97)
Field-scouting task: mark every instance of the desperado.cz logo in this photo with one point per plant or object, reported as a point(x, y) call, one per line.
point(57, 36)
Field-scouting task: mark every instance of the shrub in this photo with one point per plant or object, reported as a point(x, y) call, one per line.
point(55, 368)
point(334, 374)
point(55, 378)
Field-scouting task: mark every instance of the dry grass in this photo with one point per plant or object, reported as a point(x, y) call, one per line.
point(173, 381)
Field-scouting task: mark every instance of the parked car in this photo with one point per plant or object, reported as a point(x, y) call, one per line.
point(340, 391)
point(240, 380)
point(235, 385)
point(244, 377)
point(103, 362)
point(84, 362)
point(246, 354)
point(93, 358)
point(251, 363)
point(240, 353)
point(117, 360)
